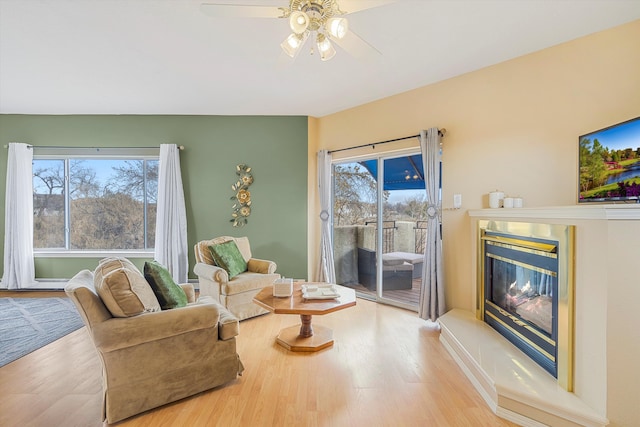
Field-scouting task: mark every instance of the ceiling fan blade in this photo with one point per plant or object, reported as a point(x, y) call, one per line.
point(226, 10)
point(357, 47)
point(352, 6)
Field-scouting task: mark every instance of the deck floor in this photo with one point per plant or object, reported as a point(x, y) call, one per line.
point(406, 296)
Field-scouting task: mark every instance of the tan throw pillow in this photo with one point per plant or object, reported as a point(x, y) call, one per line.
point(124, 261)
point(203, 254)
point(244, 247)
point(123, 289)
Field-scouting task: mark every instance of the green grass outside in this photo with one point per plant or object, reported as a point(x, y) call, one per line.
point(605, 188)
point(622, 163)
point(628, 162)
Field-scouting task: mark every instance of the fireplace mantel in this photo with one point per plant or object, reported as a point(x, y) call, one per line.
point(577, 212)
point(606, 238)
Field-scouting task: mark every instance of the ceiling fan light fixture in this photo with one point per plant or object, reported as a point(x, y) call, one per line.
point(292, 44)
point(337, 27)
point(324, 21)
point(299, 22)
point(325, 48)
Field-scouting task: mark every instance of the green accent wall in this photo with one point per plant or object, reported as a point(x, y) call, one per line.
point(275, 147)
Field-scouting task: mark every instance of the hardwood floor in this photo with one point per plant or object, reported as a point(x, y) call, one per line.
point(32, 294)
point(386, 368)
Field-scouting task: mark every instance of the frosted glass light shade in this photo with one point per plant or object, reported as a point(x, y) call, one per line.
point(338, 27)
point(299, 22)
point(325, 48)
point(292, 44)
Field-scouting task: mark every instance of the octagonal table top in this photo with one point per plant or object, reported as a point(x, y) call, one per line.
point(296, 304)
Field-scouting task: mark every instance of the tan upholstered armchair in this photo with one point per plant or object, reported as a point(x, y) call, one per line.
point(236, 294)
point(157, 357)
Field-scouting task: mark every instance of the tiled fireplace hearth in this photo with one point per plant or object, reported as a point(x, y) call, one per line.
point(517, 388)
point(512, 384)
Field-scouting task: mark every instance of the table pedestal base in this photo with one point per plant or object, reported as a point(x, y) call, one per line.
point(291, 339)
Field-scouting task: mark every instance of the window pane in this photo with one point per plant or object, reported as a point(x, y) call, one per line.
point(152, 200)
point(106, 204)
point(111, 203)
point(48, 204)
point(355, 195)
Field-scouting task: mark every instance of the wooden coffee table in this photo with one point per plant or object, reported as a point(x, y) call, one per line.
point(305, 337)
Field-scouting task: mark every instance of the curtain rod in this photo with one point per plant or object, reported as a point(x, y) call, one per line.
point(442, 133)
point(180, 147)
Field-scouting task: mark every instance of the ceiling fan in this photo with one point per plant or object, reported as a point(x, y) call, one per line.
point(321, 20)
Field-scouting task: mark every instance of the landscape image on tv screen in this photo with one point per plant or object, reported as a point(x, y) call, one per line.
point(609, 163)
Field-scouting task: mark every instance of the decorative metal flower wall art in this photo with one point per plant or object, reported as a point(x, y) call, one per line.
point(242, 199)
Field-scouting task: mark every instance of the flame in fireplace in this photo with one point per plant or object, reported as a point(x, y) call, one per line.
point(525, 289)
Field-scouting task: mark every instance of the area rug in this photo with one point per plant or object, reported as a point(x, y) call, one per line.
point(26, 324)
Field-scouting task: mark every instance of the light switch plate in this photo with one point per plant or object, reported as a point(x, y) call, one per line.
point(457, 201)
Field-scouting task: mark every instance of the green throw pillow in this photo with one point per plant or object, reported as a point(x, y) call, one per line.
point(168, 293)
point(228, 256)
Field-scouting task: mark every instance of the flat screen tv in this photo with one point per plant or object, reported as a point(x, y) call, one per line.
point(609, 164)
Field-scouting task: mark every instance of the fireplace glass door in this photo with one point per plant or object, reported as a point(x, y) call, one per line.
point(521, 301)
point(524, 291)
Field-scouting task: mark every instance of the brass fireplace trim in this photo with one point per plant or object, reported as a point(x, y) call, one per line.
point(565, 236)
point(531, 329)
point(533, 246)
point(522, 337)
point(522, 264)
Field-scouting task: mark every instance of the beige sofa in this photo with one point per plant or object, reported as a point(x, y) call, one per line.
point(235, 294)
point(157, 357)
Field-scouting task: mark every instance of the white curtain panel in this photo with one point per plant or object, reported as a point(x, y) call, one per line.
point(432, 292)
point(171, 222)
point(327, 271)
point(19, 270)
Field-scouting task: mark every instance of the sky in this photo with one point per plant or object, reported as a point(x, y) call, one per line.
point(396, 196)
point(619, 137)
point(102, 167)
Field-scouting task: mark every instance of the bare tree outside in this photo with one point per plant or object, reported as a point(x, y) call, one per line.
point(83, 181)
point(110, 202)
point(412, 208)
point(354, 199)
point(130, 178)
point(355, 193)
point(48, 204)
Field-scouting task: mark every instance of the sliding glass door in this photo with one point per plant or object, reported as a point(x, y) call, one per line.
point(379, 213)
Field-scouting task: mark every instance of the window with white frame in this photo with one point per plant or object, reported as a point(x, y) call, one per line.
point(89, 202)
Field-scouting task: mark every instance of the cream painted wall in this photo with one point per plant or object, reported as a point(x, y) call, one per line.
point(623, 334)
point(513, 126)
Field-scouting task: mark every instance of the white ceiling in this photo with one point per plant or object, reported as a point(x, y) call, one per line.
point(167, 57)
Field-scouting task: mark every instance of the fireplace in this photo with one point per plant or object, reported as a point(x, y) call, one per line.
point(526, 291)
